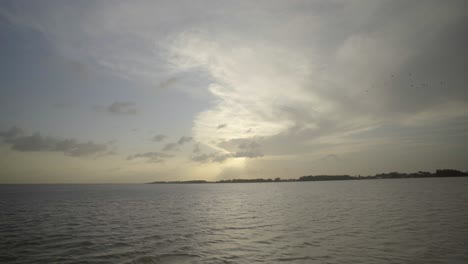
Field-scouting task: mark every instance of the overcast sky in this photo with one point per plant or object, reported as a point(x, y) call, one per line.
point(138, 91)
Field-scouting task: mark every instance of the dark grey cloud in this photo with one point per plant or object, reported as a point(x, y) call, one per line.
point(36, 142)
point(240, 148)
point(11, 133)
point(122, 108)
point(196, 148)
point(202, 158)
point(159, 138)
point(250, 153)
point(184, 140)
point(73, 148)
point(241, 144)
point(249, 145)
point(167, 83)
point(150, 157)
point(220, 157)
point(407, 68)
point(171, 147)
point(211, 157)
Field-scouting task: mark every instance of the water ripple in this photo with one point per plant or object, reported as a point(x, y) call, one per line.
point(387, 221)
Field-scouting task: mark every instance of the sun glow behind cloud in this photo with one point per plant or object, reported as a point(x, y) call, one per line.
point(249, 81)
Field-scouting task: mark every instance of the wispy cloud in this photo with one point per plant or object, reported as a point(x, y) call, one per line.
point(235, 148)
point(220, 157)
point(150, 157)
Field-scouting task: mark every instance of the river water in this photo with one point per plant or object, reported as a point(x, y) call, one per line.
point(367, 221)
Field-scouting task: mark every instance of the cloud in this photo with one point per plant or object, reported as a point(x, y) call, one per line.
point(159, 138)
point(251, 153)
point(11, 133)
point(171, 147)
point(355, 80)
point(184, 140)
point(150, 157)
point(274, 69)
point(248, 148)
point(234, 148)
point(37, 142)
point(167, 83)
point(202, 158)
point(248, 145)
point(241, 144)
point(220, 157)
point(73, 148)
point(212, 157)
point(196, 148)
point(122, 108)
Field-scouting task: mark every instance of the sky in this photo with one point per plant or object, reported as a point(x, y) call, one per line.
point(140, 91)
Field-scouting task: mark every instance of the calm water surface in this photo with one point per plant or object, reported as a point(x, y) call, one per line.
point(369, 221)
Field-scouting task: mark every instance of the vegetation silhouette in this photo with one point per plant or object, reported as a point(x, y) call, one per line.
point(442, 173)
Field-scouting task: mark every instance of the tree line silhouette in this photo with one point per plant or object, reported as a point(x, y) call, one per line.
point(391, 175)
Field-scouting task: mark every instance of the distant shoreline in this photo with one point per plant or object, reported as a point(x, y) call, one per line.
point(444, 173)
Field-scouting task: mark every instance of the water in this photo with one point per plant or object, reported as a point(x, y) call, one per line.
point(369, 221)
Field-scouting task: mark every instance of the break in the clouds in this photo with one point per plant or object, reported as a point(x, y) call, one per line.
point(266, 86)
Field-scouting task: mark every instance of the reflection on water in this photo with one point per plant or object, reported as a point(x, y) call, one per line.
point(375, 221)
